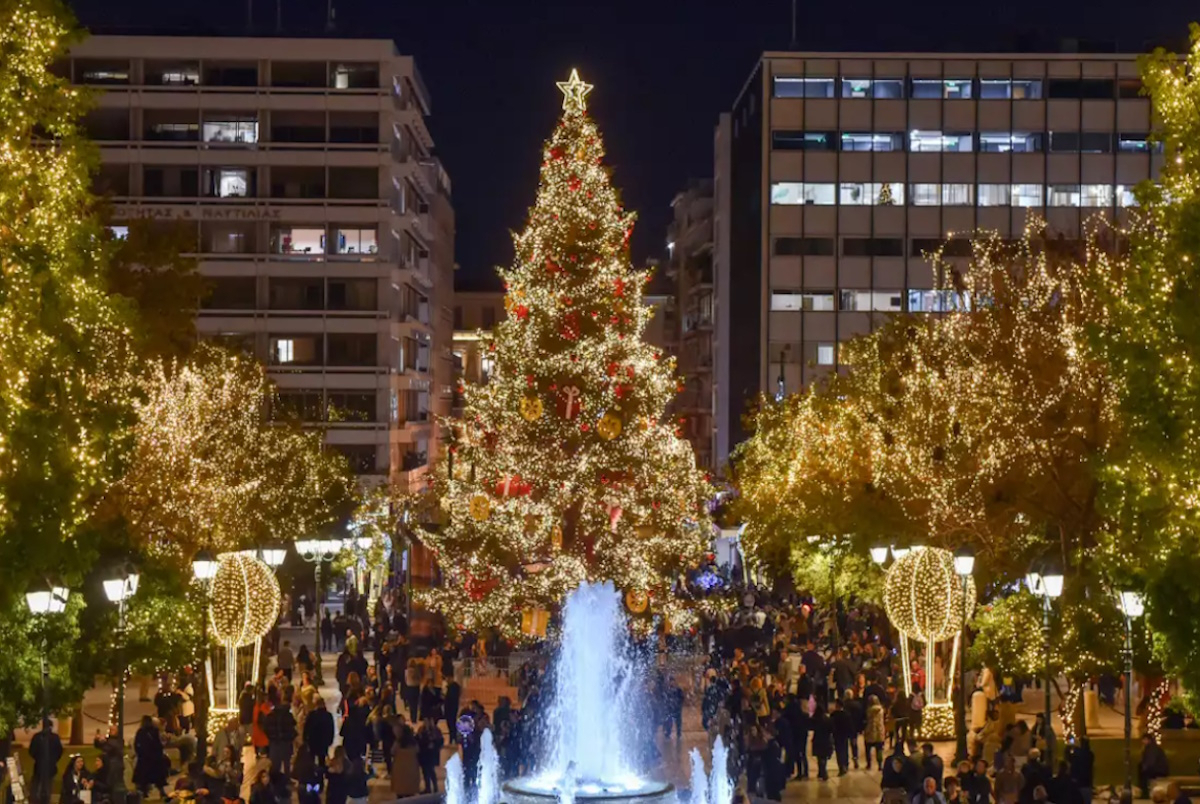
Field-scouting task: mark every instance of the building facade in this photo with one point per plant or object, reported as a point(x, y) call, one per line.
point(836, 174)
point(690, 247)
point(304, 170)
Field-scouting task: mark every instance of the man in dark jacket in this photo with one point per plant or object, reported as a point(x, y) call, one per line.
point(280, 727)
point(1036, 775)
point(46, 749)
point(822, 742)
point(450, 708)
point(976, 784)
point(796, 712)
point(318, 732)
point(843, 731)
point(787, 744)
point(932, 765)
point(858, 721)
point(1083, 767)
point(1153, 765)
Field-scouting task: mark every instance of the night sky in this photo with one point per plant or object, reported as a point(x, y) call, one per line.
point(663, 72)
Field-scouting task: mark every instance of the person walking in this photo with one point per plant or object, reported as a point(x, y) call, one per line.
point(822, 742)
point(450, 709)
point(318, 732)
point(286, 660)
point(262, 708)
point(327, 633)
point(152, 765)
point(429, 753)
point(46, 749)
point(873, 733)
point(843, 732)
point(932, 766)
point(280, 727)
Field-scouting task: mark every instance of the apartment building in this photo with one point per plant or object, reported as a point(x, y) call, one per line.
point(836, 173)
point(304, 169)
point(690, 266)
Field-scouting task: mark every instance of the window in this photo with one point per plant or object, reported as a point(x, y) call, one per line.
point(1009, 141)
point(796, 192)
point(789, 87)
point(934, 301)
point(872, 141)
point(791, 300)
point(868, 88)
point(1096, 195)
point(304, 405)
point(802, 140)
point(241, 130)
point(360, 457)
point(872, 247)
point(879, 301)
point(171, 131)
point(804, 247)
point(219, 237)
point(101, 71)
point(356, 241)
point(171, 73)
point(346, 406)
point(118, 232)
point(1135, 143)
point(995, 195)
point(1063, 195)
point(937, 141)
point(1088, 142)
point(958, 195)
point(870, 193)
point(227, 182)
point(1089, 88)
point(297, 240)
point(950, 88)
point(346, 349)
point(230, 293)
point(354, 76)
point(1015, 88)
point(922, 246)
point(925, 195)
point(298, 350)
point(1125, 196)
point(1129, 88)
point(297, 294)
point(489, 317)
point(825, 354)
point(1027, 195)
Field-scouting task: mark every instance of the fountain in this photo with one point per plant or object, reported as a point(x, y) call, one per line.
point(593, 718)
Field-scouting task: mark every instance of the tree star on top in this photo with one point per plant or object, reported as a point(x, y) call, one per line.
point(574, 92)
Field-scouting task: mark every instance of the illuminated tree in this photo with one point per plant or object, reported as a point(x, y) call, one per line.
point(63, 349)
point(562, 469)
point(208, 470)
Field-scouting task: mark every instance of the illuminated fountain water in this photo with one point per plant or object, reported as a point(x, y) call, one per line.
point(593, 720)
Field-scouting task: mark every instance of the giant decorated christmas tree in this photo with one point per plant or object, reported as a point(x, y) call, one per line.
point(562, 468)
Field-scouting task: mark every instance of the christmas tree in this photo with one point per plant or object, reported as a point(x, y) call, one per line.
point(562, 469)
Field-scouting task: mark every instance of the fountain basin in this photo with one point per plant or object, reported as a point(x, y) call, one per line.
point(542, 790)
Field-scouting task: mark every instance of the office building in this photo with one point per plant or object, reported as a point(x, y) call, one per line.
point(304, 170)
point(836, 173)
point(690, 244)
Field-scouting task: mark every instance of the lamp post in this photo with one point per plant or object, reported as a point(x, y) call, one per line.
point(316, 552)
point(44, 600)
point(204, 568)
point(964, 565)
point(118, 590)
point(879, 554)
point(273, 556)
point(1047, 584)
point(1132, 605)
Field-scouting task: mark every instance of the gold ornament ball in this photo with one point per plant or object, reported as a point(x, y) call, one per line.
point(531, 408)
point(637, 601)
point(244, 600)
point(923, 595)
point(609, 426)
point(480, 508)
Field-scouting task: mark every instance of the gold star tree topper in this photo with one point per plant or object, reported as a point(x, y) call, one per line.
point(574, 92)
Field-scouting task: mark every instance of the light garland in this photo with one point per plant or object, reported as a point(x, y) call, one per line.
point(562, 468)
point(245, 600)
point(923, 596)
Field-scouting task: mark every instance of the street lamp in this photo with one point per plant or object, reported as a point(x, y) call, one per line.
point(1133, 606)
point(273, 556)
point(43, 600)
point(899, 552)
point(964, 565)
point(1048, 584)
point(879, 554)
point(118, 590)
point(316, 552)
point(204, 568)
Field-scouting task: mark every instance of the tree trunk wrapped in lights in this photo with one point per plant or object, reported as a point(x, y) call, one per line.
point(562, 469)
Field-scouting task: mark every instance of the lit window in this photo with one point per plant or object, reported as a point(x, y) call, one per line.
point(925, 195)
point(1025, 89)
point(870, 193)
point(826, 352)
point(856, 88)
point(1133, 143)
point(1125, 196)
point(798, 192)
point(299, 240)
point(1027, 195)
point(232, 183)
point(937, 141)
point(995, 195)
point(878, 301)
point(934, 301)
point(1009, 141)
point(958, 195)
point(1096, 195)
point(791, 87)
point(802, 140)
point(356, 241)
point(181, 76)
point(283, 350)
point(1017, 89)
point(868, 88)
point(233, 131)
point(1062, 195)
point(118, 232)
point(950, 89)
point(790, 300)
point(872, 141)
